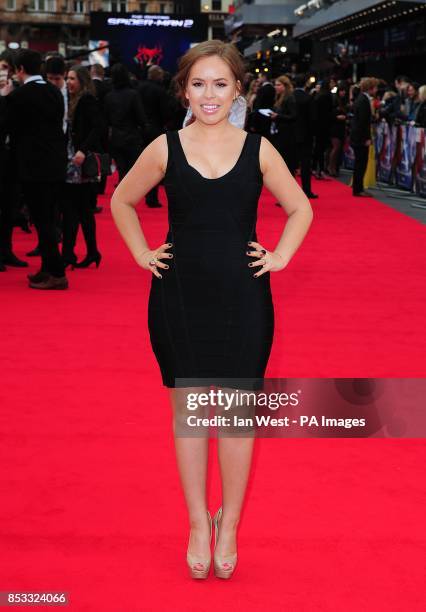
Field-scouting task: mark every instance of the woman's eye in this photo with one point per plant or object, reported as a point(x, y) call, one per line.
point(195, 84)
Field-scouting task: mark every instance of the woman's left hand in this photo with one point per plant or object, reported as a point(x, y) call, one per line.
point(268, 261)
point(273, 115)
point(78, 158)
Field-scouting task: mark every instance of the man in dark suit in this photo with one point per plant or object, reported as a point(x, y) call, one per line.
point(360, 134)
point(304, 133)
point(265, 97)
point(35, 113)
point(157, 106)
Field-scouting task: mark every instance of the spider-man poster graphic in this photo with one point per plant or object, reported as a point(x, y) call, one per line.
point(143, 40)
point(149, 55)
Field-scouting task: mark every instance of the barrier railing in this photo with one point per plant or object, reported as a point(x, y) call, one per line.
point(400, 152)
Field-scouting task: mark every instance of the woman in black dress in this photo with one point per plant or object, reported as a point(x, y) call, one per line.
point(84, 134)
point(210, 307)
point(284, 121)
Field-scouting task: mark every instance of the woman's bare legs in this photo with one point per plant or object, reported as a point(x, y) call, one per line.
point(235, 456)
point(192, 458)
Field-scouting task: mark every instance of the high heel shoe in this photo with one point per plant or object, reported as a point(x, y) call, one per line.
point(71, 260)
point(223, 566)
point(194, 560)
point(85, 263)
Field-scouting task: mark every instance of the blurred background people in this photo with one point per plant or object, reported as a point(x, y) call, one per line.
point(284, 121)
point(126, 120)
point(35, 124)
point(84, 132)
point(361, 132)
point(157, 106)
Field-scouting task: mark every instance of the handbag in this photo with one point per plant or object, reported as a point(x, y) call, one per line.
point(96, 165)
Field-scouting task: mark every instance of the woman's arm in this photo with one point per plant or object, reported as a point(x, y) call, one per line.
point(278, 179)
point(147, 172)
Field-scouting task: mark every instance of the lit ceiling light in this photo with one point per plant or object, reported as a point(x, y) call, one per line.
point(283, 49)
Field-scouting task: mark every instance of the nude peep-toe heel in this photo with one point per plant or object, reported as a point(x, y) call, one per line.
point(223, 566)
point(196, 560)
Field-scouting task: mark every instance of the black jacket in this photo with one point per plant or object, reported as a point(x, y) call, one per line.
point(304, 126)
point(286, 120)
point(125, 116)
point(323, 113)
point(157, 105)
point(421, 115)
point(265, 96)
point(361, 121)
point(35, 124)
point(87, 125)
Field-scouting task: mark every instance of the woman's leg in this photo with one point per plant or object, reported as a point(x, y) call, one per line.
point(192, 457)
point(87, 218)
point(332, 164)
point(235, 456)
point(70, 221)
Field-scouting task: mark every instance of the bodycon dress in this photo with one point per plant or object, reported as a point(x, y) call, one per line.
point(208, 316)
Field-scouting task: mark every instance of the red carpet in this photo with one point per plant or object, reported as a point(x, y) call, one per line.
point(90, 498)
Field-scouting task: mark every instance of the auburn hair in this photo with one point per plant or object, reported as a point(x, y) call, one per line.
point(228, 52)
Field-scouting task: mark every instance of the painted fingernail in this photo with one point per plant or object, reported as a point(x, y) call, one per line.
point(159, 276)
point(170, 244)
point(249, 243)
point(170, 255)
point(250, 264)
point(166, 266)
point(263, 251)
point(247, 252)
point(255, 274)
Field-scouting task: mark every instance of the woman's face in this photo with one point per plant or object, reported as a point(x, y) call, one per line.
point(4, 67)
point(411, 91)
point(211, 89)
point(72, 82)
point(279, 87)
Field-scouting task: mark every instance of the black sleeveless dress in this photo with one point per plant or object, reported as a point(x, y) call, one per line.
point(208, 317)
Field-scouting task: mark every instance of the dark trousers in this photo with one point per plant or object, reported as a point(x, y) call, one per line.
point(41, 199)
point(304, 158)
point(125, 158)
point(361, 161)
point(78, 210)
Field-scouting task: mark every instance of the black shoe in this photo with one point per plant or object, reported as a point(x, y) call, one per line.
point(362, 194)
point(38, 277)
point(34, 253)
point(12, 260)
point(25, 227)
point(312, 196)
point(154, 204)
point(70, 260)
point(85, 263)
point(51, 282)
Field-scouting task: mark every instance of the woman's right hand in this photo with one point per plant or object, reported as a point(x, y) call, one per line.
point(151, 260)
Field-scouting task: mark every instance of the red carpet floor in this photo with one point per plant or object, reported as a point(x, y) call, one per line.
point(90, 498)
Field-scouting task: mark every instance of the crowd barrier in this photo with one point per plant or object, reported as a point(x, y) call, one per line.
point(400, 153)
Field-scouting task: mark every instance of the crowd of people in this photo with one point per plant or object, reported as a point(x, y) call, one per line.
point(63, 124)
point(311, 121)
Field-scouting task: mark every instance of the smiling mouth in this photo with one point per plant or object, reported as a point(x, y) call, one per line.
point(210, 107)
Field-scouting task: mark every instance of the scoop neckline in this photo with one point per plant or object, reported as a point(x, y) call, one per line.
point(217, 178)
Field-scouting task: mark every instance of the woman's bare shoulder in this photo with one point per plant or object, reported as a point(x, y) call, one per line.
point(268, 154)
point(157, 152)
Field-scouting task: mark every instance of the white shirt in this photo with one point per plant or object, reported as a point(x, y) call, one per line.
point(34, 77)
point(64, 92)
